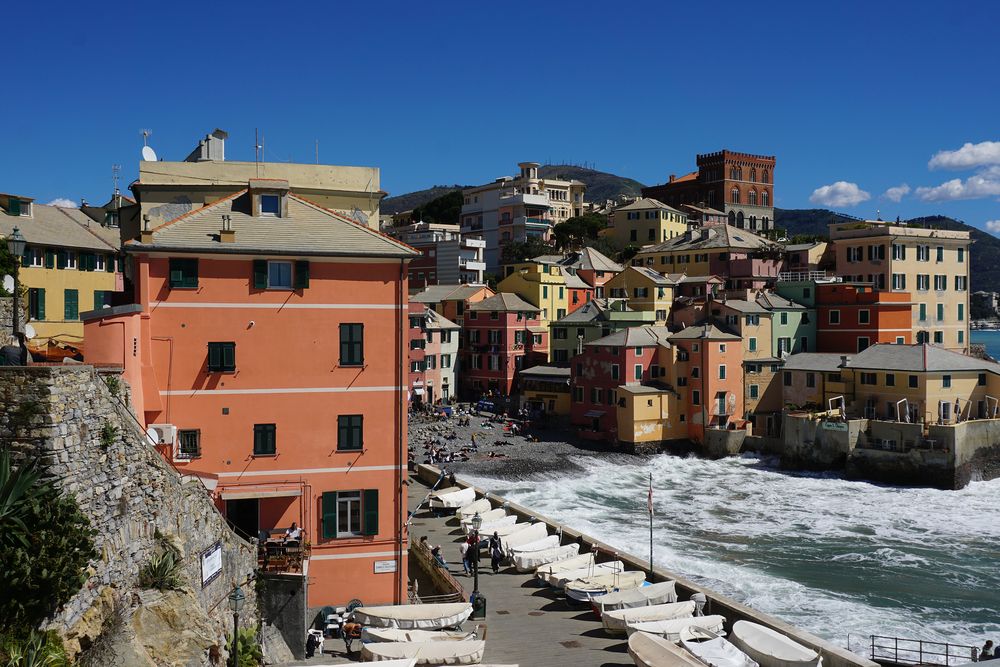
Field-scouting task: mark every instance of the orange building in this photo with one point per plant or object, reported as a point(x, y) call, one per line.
point(711, 361)
point(265, 349)
point(853, 316)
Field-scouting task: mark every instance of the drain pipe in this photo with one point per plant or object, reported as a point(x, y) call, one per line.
point(400, 437)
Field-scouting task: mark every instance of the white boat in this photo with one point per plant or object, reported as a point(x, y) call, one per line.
point(588, 588)
point(414, 616)
point(547, 542)
point(533, 533)
point(426, 653)
point(397, 635)
point(671, 629)
point(616, 621)
point(526, 561)
point(482, 505)
point(644, 596)
point(488, 528)
point(539, 529)
point(648, 650)
point(583, 560)
point(486, 517)
point(560, 579)
point(452, 497)
point(406, 662)
point(713, 650)
point(770, 648)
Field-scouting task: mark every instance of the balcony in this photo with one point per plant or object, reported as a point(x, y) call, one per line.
point(471, 265)
point(530, 221)
point(524, 199)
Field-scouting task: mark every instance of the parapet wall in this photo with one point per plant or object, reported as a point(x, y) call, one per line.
point(833, 656)
point(98, 453)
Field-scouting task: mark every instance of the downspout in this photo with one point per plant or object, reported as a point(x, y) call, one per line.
point(400, 425)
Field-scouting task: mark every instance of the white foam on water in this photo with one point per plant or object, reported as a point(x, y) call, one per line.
point(833, 556)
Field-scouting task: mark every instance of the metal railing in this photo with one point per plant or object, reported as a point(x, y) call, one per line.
point(901, 651)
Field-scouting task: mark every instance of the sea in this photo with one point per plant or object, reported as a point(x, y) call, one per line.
point(841, 559)
point(989, 338)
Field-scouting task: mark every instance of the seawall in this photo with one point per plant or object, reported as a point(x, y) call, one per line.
point(833, 656)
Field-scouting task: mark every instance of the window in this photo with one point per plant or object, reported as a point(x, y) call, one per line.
point(695, 397)
point(682, 381)
point(430, 362)
point(784, 344)
point(940, 312)
point(939, 337)
point(981, 380)
point(270, 205)
point(899, 281)
point(946, 381)
point(913, 381)
point(264, 440)
point(961, 254)
point(99, 263)
point(863, 343)
point(279, 275)
point(784, 318)
point(940, 283)
point(961, 283)
point(864, 317)
point(352, 344)
point(734, 196)
point(347, 514)
point(350, 435)
point(900, 340)
point(752, 198)
point(923, 253)
point(876, 252)
point(869, 378)
point(614, 371)
point(638, 371)
point(189, 444)
point(722, 348)
point(102, 298)
point(961, 312)
point(940, 254)
point(696, 372)
point(854, 254)
point(765, 200)
point(787, 379)
point(36, 303)
point(578, 394)
point(70, 259)
point(722, 372)
point(183, 273)
point(445, 361)
point(71, 305)
point(923, 282)
point(753, 320)
point(923, 312)
point(961, 336)
point(898, 251)
point(33, 257)
point(754, 391)
point(811, 380)
point(834, 317)
point(222, 357)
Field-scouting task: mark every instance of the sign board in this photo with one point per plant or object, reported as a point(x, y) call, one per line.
point(211, 564)
point(383, 566)
point(835, 426)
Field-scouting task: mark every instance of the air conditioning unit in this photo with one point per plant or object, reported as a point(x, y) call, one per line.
point(164, 434)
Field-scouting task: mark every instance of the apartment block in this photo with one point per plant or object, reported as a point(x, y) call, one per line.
point(447, 257)
point(433, 355)
point(644, 289)
point(645, 221)
point(595, 319)
point(503, 335)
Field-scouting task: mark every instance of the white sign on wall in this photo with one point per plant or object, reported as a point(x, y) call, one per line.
point(211, 564)
point(383, 566)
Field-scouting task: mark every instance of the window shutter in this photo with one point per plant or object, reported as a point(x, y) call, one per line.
point(71, 305)
point(41, 303)
point(109, 264)
point(369, 508)
point(50, 259)
point(330, 514)
point(14, 208)
point(119, 261)
point(301, 274)
point(214, 356)
point(260, 274)
point(229, 357)
point(81, 261)
point(26, 257)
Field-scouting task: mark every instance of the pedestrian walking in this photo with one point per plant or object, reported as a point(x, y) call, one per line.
point(463, 548)
point(496, 552)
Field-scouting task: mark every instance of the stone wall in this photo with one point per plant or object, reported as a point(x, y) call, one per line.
point(98, 453)
point(7, 318)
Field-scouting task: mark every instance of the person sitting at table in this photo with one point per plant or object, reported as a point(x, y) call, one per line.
point(293, 534)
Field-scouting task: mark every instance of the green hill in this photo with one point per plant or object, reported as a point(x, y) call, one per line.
point(411, 200)
point(984, 255)
point(600, 185)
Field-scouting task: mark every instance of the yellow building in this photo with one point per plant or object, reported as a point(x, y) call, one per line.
point(70, 266)
point(931, 265)
point(645, 221)
point(541, 283)
point(649, 414)
point(644, 289)
point(545, 390)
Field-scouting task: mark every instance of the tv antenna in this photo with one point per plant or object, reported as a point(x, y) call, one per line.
point(145, 136)
point(115, 174)
point(258, 148)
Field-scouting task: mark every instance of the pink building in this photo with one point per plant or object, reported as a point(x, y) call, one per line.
point(433, 355)
point(503, 335)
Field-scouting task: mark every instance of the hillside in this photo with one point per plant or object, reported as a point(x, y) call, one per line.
point(984, 255)
point(411, 200)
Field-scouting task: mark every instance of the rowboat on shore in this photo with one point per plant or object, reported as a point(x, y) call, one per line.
point(560, 579)
point(488, 528)
point(770, 648)
point(588, 588)
point(616, 621)
point(713, 650)
point(647, 650)
point(547, 542)
point(526, 561)
point(644, 596)
point(397, 635)
point(452, 498)
point(538, 530)
point(530, 536)
point(468, 511)
point(543, 572)
point(486, 517)
point(671, 629)
point(427, 653)
point(414, 616)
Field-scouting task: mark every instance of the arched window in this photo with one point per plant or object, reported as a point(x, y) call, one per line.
point(732, 218)
point(764, 198)
point(764, 177)
point(753, 174)
point(753, 222)
point(711, 197)
point(732, 174)
point(739, 219)
point(734, 196)
point(752, 197)
point(764, 222)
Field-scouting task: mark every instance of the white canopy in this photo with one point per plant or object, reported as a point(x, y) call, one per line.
point(452, 497)
point(414, 616)
point(770, 648)
point(560, 579)
point(547, 542)
point(397, 635)
point(532, 533)
point(644, 596)
point(481, 505)
point(526, 561)
point(427, 653)
point(487, 516)
point(714, 650)
point(671, 630)
point(588, 588)
point(583, 560)
point(504, 531)
point(652, 651)
point(617, 620)
point(496, 524)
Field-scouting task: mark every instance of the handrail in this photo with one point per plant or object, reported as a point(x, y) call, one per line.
point(902, 651)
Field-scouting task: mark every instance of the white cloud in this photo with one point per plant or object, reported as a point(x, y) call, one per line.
point(967, 157)
point(896, 193)
point(993, 226)
point(840, 193)
point(62, 202)
point(986, 183)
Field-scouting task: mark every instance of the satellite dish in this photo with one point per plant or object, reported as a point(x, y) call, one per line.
point(152, 436)
point(148, 154)
point(8, 283)
point(359, 217)
point(29, 331)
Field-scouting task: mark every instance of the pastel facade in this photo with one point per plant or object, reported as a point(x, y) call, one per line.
point(545, 390)
point(644, 289)
point(542, 283)
point(593, 320)
point(433, 355)
point(711, 362)
point(503, 335)
point(446, 257)
point(452, 301)
point(850, 317)
point(645, 221)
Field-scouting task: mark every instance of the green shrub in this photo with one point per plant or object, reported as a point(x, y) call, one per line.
point(109, 433)
point(114, 384)
point(33, 649)
point(250, 652)
point(163, 571)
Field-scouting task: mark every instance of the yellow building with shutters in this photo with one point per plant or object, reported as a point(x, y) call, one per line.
point(541, 283)
point(644, 289)
point(70, 265)
point(645, 221)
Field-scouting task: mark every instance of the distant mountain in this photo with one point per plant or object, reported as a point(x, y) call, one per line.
point(984, 255)
point(411, 200)
point(600, 185)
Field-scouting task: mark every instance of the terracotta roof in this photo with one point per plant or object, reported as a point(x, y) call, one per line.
point(58, 227)
point(504, 302)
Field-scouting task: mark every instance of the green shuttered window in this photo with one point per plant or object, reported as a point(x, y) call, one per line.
point(301, 275)
point(264, 439)
point(50, 259)
point(260, 274)
point(330, 514)
point(369, 505)
point(352, 345)
point(350, 432)
point(71, 305)
point(349, 513)
point(36, 303)
point(183, 273)
point(222, 357)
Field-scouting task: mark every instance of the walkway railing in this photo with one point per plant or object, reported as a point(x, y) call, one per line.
point(900, 651)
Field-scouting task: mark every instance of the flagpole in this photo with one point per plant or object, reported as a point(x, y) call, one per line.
point(651, 526)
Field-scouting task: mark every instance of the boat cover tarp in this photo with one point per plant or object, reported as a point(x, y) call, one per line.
point(560, 579)
point(427, 653)
point(414, 616)
point(547, 542)
point(583, 560)
point(532, 533)
point(481, 505)
point(504, 531)
point(454, 498)
point(714, 651)
point(589, 588)
point(671, 629)
point(487, 517)
point(407, 662)
point(397, 635)
point(770, 648)
point(644, 596)
point(488, 528)
point(649, 650)
point(617, 620)
point(526, 561)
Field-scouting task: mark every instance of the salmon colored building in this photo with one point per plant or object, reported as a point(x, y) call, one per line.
point(266, 349)
point(503, 336)
point(852, 317)
point(711, 361)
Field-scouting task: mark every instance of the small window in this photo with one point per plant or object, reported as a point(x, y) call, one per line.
point(913, 382)
point(834, 317)
point(264, 439)
point(350, 436)
point(788, 378)
point(183, 273)
point(722, 372)
point(695, 397)
point(754, 391)
point(811, 380)
point(222, 357)
point(348, 513)
point(270, 205)
point(279, 275)
point(864, 317)
point(189, 444)
point(982, 380)
point(638, 371)
point(890, 380)
point(946, 381)
point(352, 345)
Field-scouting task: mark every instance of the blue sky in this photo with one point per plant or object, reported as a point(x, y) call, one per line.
point(855, 96)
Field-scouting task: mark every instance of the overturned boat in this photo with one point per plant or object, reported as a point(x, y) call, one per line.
point(617, 621)
point(644, 596)
point(770, 648)
point(671, 629)
point(713, 650)
point(480, 506)
point(588, 588)
point(543, 572)
point(560, 579)
point(526, 561)
point(426, 653)
point(452, 498)
point(535, 532)
point(547, 542)
point(397, 635)
point(414, 616)
point(647, 650)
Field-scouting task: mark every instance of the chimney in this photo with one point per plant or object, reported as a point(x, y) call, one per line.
point(673, 177)
point(843, 360)
point(226, 234)
point(146, 235)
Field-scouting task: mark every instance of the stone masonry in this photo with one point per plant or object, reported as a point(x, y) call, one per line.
point(97, 451)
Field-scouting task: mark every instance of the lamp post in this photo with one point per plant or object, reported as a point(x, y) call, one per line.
point(236, 600)
point(16, 246)
point(477, 599)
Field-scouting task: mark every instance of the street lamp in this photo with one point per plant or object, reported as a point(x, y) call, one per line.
point(477, 599)
point(16, 245)
point(236, 600)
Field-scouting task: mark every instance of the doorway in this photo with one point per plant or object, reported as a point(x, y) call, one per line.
point(243, 516)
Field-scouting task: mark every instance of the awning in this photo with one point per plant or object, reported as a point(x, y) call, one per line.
point(594, 413)
point(418, 392)
point(242, 494)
